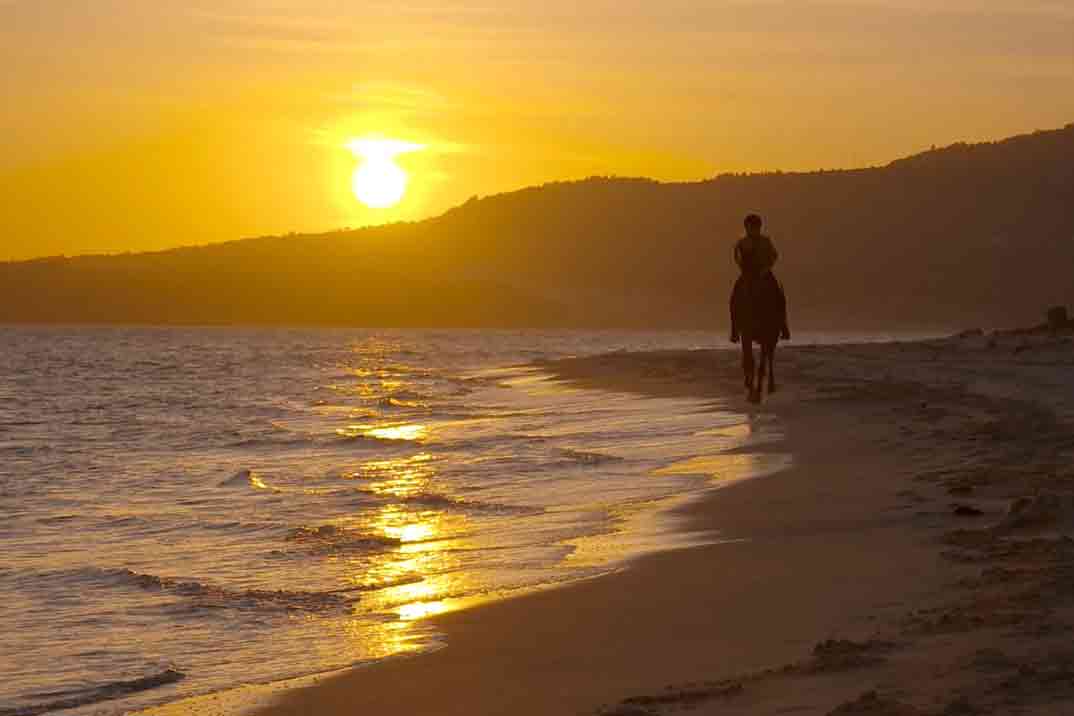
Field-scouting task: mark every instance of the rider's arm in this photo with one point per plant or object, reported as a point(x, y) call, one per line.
point(773, 255)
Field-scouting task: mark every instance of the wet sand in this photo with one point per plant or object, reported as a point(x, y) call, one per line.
point(913, 560)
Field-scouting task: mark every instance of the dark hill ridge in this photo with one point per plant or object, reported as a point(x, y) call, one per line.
point(980, 234)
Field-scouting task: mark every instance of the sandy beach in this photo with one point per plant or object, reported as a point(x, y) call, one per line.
point(914, 560)
point(374, 358)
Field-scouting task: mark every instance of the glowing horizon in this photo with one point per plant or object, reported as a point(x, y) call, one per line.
point(187, 123)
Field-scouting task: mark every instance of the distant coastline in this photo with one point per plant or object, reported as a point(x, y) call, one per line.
point(967, 235)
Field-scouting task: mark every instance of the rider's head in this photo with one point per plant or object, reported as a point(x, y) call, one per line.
point(753, 224)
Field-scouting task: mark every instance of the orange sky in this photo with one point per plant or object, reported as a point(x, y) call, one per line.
point(132, 125)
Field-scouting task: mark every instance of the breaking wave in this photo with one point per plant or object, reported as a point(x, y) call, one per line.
point(433, 500)
point(70, 699)
point(586, 457)
point(209, 596)
point(329, 539)
point(247, 478)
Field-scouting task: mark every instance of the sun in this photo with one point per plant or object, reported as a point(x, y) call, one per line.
point(379, 182)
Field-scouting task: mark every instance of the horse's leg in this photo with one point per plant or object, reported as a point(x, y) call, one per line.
point(771, 367)
point(762, 369)
point(747, 361)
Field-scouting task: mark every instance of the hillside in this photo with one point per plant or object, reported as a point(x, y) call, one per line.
point(970, 234)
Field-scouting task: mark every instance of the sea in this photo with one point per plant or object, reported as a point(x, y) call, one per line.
point(184, 511)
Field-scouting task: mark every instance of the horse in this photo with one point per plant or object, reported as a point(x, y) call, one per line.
point(759, 313)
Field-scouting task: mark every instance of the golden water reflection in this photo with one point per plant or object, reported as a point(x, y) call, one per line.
point(380, 639)
point(651, 525)
point(756, 430)
point(424, 571)
point(399, 477)
point(738, 431)
point(399, 432)
point(728, 467)
point(411, 432)
point(423, 574)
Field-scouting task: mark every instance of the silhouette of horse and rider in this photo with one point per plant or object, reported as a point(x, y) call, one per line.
point(758, 307)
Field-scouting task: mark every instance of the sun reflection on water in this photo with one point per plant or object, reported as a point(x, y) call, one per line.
point(423, 572)
point(420, 610)
point(404, 432)
point(399, 477)
point(399, 432)
point(390, 637)
point(403, 523)
point(430, 537)
point(727, 468)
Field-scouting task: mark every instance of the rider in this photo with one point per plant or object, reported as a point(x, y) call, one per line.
point(755, 255)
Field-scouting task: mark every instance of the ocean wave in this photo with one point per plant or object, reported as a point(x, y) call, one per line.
point(59, 700)
point(209, 596)
point(587, 457)
point(125, 521)
point(57, 519)
point(25, 450)
point(410, 396)
point(474, 380)
point(248, 478)
point(478, 444)
point(444, 502)
point(329, 539)
point(347, 436)
point(183, 523)
point(392, 402)
point(275, 440)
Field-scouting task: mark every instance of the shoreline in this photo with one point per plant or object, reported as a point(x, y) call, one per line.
point(690, 615)
point(849, 583)
point(664, 520)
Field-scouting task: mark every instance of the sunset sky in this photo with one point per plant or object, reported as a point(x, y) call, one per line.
point(144, 124)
